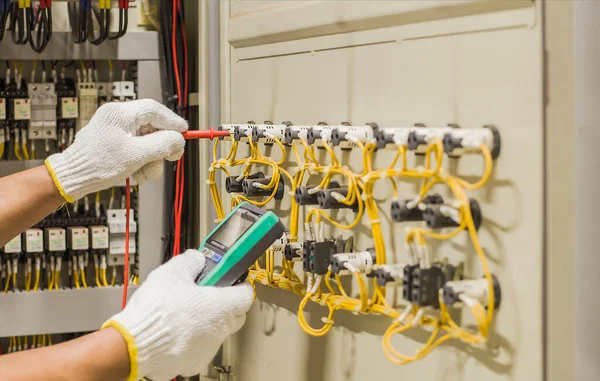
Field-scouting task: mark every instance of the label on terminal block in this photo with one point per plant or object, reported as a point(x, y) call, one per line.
point(99, 237)
point(13, 246)
point(2, 109)
point(22, 109)
point(70, 108)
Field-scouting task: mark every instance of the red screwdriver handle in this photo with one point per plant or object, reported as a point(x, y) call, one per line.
point(204, 134)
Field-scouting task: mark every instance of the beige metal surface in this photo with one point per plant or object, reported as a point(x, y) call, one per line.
point(437, 66)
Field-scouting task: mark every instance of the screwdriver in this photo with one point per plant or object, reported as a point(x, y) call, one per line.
point(204, 134)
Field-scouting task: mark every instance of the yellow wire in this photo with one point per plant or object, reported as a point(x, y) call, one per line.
point(83, 281)
point(110, 66)
point(17, 154)
point(37, 280)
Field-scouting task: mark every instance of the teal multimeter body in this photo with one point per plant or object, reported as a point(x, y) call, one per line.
point(239, 240)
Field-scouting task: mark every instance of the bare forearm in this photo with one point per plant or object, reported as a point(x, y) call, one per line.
point(25, 199)
point(100, 356)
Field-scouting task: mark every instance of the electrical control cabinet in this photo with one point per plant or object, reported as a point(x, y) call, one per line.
point(418, 71)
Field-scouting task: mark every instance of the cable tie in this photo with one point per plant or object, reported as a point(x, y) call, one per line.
point(210, 182)
point(376, 221)
point(324, 320)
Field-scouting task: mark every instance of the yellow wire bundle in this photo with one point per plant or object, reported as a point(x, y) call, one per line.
point(360, 193)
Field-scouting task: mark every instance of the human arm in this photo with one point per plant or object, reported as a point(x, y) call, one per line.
point(99, 356)
point(26, 198)
point(111, 148)
point(170, 327)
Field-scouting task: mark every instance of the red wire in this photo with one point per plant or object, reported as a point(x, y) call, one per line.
point(174, 48)
point(127, 216)
point(185, 54)
point(176, 209)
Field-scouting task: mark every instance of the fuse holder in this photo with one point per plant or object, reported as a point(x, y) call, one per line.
point(402, 213)
point(436, 218)
point(232, 185)
point(251, 190)
point(304, 197)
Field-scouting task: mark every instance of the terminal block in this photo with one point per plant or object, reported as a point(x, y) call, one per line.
point(34, 242)
point(88, 103)
point(327, 199)
point(241, 131)
point(477, 289)
point(293, 252)
point(281, 243)
point(421, 285)
point(385, 274)
point(252, 188)
point(319, 133)
point(390, 138)
point(404, 210)
point(14, 247)
point(346, 137)
point(459, 141)
point(229, 128)
point(267, 133)
point(122, 91)
point(232, 185)
point(293, 134)
point(304, 195)
point(420, 136)
point(117, 221)
point(439, 216)
point(317, 256)
point(345, 263)
point(56, 241)
point(78, 240)
point(43, 101)
point(99, 237)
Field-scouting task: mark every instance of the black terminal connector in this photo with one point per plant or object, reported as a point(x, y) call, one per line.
point(302, 196)
point(435, 219)
point(402, 213)
point(392, 273)
point(293, 252)
point(317, 256)
point(234, 186)
point(314, 134)
point(250, 190)
point(327, 201)
point(415, 139)
point(421, 286)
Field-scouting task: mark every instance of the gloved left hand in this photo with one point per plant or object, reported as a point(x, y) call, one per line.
point(174, 327)
point(110, 149)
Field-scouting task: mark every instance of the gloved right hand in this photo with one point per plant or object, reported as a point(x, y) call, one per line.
point(173, 326)
point(110, 148)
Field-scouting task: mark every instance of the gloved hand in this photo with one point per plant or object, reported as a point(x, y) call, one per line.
point(110, 149)
point(173, 326)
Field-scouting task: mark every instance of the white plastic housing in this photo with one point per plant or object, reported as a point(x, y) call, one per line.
point(350, 134)
point(395, 270)
point(99, 235)
point(429, 134)
point(471, 140)
point(321, 132)
point(116, 221)
point(229, 128)
point(244, 130)
point(275, 130)
point(78, 238)
point(14, 246)
point(301, 131)
point(56, 239)
point(34, 241)
point(394, 136)
point(361, 261)
point(474, 288)
point(279, 245)
point(2, 109)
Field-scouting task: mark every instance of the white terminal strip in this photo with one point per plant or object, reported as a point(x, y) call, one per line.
point(317, 134)
point(347, 136)
point(267, 133)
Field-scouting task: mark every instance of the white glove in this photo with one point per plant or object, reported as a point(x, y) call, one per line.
point(173, 326)
point(110, 149)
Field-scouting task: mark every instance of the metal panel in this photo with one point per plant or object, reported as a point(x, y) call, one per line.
point(132, 46)
point(59, 311)
point(443, 72)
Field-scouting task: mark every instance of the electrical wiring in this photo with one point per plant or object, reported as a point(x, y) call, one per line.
point(20, 15)
point(5, 8)
point(123, 18)
point(99, 15)
point(361, 185)
point(43, 22)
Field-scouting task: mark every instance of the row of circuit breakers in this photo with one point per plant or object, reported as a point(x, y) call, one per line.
point(54, 110)
point(57, 236)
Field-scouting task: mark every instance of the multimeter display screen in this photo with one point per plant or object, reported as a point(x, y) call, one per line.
point(235, 226)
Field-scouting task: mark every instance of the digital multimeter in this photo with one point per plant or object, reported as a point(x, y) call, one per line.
point(239, 240)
